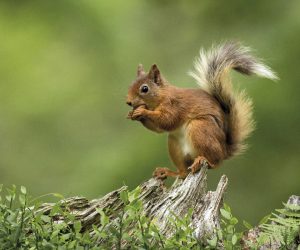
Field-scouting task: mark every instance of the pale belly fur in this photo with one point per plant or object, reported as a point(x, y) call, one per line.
point(184, 141)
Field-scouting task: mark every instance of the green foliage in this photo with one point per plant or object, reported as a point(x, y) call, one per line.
point(227, 236)
point(283, 228)
point(22, 226)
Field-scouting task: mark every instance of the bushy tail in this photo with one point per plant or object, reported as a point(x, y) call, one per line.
point(211, 73)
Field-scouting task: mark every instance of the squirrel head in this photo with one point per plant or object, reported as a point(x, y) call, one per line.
point(146, 89)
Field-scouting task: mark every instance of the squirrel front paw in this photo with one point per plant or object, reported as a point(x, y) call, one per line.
point(129, 115)
point(137, 113)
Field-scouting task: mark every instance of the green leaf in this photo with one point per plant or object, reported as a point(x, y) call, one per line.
point(77, 226)
point(184, 248)
point(72, 244)
point(227, 208)
point(234, 239)
point(230, 229)
point(247, 225)
point(225, 214)
point(23, 190)
point(12, 217)
point(263, 239)
point(124, 196)
point(54, 233)
point(8, 197)
point(134, 194)
point(264, 219)
point(190, 212)
point(47, 245)
point(45, 218)
point(65, 237)
point(60, 196)
point(86, 237)
point(54, 210)
point(220, 234)
point(126, 237)
point(104, 218)
point(22, 200)
point(70, 217)
point(288, 213)
point(234, 221)
point(213, 242)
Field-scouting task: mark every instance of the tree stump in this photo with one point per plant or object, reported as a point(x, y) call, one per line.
point(159, 203)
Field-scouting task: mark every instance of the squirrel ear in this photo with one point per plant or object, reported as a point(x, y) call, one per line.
point(140, 70)
point(154, 74)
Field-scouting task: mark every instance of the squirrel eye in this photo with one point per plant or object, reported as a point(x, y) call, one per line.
point(144, 89)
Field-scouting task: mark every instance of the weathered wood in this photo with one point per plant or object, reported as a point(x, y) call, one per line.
point(190, 193)
point(159, 203)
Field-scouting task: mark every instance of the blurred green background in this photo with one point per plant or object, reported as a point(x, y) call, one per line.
point(65, 69)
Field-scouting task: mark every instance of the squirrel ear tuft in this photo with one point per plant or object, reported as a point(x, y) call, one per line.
point(154, 74)
point(140, 70)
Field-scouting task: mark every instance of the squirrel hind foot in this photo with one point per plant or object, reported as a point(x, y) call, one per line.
point(160, 173)
point(163, 173)
point(198, 163)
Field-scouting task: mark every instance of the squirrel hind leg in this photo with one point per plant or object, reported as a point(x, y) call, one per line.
point(209, 142)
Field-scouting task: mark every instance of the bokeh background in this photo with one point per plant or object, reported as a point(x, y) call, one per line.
point(64, 72)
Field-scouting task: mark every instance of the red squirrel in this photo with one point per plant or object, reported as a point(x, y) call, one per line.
point(207, 124)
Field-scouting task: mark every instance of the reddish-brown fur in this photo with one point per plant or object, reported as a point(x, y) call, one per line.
point(205, 124)
point(169, 108)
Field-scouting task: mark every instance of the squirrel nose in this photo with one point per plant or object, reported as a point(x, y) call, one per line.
point(129, 103)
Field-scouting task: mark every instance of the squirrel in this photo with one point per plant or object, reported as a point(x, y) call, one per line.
point(207, 124)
